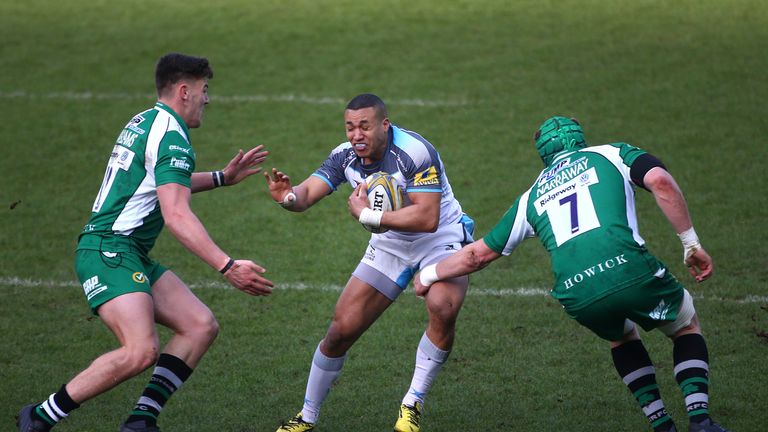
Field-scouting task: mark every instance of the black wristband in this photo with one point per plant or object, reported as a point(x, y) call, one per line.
point(218, 178)
point(228, 266)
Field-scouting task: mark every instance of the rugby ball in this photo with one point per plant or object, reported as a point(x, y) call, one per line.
point(384, 194)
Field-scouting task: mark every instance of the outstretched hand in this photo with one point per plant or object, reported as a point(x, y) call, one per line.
point(245, 275)
point(279, 184)
point(699, 264)
point(244, 165)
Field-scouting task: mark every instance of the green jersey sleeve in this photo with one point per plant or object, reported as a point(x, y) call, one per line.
point(175, 161)
point(511, 230)
point(628, 153)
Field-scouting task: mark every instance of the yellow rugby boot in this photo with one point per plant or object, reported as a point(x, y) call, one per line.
point(409, 418)
point(296, 424)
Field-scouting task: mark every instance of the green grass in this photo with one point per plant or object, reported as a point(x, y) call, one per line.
point(685, 80)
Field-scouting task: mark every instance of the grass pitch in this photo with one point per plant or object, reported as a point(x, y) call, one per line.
point(684, 80)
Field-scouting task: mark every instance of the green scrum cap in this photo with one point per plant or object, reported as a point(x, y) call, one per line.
point(558, 134)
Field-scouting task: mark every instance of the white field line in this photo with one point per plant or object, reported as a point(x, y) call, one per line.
point(288, 98)
point(298, 286)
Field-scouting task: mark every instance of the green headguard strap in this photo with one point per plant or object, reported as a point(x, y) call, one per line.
point(558, 134)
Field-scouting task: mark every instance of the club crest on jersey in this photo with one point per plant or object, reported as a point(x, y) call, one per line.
point(428, 177)
point(139, 277)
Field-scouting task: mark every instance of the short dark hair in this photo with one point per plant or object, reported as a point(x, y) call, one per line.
point(368, 100)
point(173, 67)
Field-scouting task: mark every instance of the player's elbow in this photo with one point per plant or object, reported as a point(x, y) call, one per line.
point(432, 221)
point(477, 261)
point(474, 262)
point(659, 180)
point(174, 221)
point(431, 226)
point(478, 255)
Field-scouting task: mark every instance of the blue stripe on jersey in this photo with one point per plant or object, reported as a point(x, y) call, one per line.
point(325, 180)
point(424, 190)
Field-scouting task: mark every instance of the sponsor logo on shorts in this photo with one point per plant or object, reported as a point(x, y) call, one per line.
point(428, 177)
point(139, 277)
point(92, 286)
point(370, 254)
point(660, 312)
point(600, 267)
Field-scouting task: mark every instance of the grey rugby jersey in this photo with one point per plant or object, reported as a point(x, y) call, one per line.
point(410, 159)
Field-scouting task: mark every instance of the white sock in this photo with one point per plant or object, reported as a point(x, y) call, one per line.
point(322, 375)
point(429, 361)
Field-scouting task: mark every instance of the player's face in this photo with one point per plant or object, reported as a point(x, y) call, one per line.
point(367, 133)
point(196, 99)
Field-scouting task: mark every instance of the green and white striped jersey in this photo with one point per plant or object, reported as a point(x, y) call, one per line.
point(153, 149)
point(582, 208)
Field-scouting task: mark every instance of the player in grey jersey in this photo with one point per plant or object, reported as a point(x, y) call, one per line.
point(431, 226)
point(148, 184)
point(582, 209)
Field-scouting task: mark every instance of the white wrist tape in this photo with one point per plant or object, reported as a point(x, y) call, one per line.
point(371, 218)
point(690, 242)
point(289, 200)
point(428, 275)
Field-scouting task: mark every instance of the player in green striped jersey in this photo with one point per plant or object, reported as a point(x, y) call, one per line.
point(582, 209)
point(147, 185)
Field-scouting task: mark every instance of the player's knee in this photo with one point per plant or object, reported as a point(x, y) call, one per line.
point(205, 328)
point(340, 333)
point(443, 309)
point(443, 313)
point(139, 358)
point(212, 329)
point(686, 322)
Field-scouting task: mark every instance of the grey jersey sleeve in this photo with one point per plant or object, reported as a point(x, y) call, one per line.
point(332, 170)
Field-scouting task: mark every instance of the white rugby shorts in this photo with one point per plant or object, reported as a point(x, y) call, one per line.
point(389, 264)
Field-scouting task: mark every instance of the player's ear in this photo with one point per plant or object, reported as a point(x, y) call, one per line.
point(183, 90)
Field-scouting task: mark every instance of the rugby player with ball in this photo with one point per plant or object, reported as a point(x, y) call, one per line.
point(426, 225)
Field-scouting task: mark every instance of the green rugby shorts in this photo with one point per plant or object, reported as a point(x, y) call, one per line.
point(106, 275)
point(650, 305)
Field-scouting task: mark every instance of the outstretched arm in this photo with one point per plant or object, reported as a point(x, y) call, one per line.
point(238, 169)
point(244, 275)
point(297, 198)
point(670, 200)
point(469, 259)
